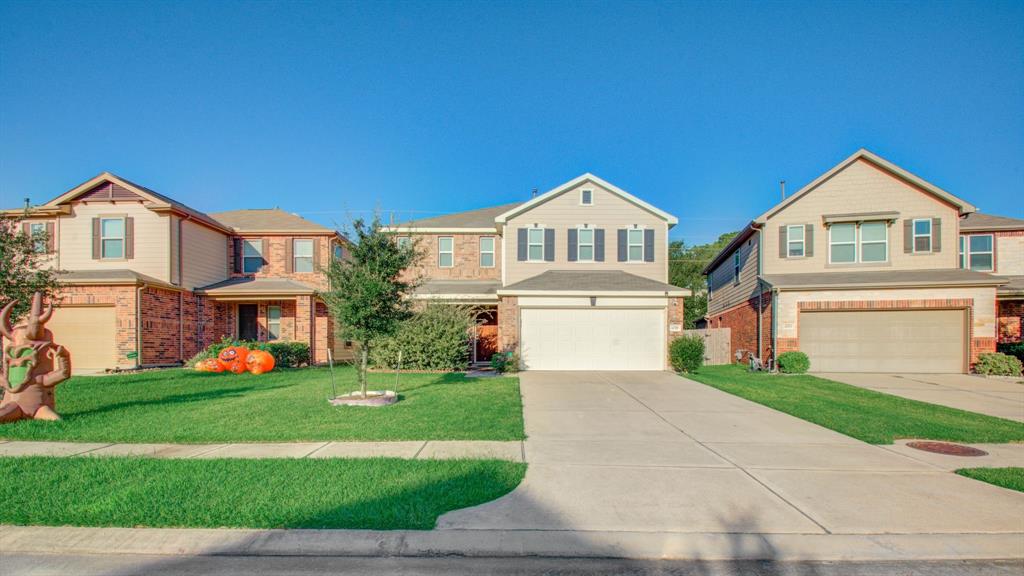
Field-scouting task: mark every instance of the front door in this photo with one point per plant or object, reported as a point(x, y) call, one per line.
point(486, 341)
point(247, 327)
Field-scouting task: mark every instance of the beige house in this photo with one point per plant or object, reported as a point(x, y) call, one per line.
point(860, 269)
point(573, 279)
point(149, 281)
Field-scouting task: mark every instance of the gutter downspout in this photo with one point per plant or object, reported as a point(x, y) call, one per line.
point(760, 299)
point(138, 325)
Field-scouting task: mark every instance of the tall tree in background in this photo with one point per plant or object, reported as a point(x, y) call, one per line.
point(22, 266)
point(368, 296)
point(684, 270)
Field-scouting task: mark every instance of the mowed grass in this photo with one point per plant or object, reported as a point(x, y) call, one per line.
point(863, 414)
point(281, 406)
point(380, 493)
point(1012, 478)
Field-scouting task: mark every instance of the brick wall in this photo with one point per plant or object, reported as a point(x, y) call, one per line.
point(1011, 321)
point(508, 323)
point(162, 327)
point(466, 258)
point(741, 320)
point(275, 266)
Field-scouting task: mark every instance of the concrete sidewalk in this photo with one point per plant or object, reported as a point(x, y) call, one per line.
point(433, 449)
point(994, 396)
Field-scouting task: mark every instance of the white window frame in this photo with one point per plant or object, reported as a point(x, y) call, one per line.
point(403, 241)
point(856, 236)
point(122, 238)
point(38, 245)
point(802, 241)
point(914, 235)
point(296, 257)
point(963, 251)
point(338, 251)
point(968, 253)
point(583, 194)
point(491, 252)
point(441, 252)
point(271, 323)
point(580, 244)
point(630, 244)
point(258, 246)
point(530, 244)
point(861, 242)
point(736, 267)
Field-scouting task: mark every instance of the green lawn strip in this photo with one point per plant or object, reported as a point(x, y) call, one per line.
point(372, 493)
point(1012, 478)
point(863, 414)
point(281, 406)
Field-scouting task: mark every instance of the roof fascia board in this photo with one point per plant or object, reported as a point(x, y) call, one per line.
point(503, 218)
point(414, 230)
point(743, 234)
point(882, 285)
point(661, 293)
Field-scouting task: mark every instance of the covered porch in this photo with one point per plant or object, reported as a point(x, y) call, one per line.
point(482, 295)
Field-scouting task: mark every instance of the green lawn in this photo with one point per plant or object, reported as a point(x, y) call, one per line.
point(1012, 478)
point(379, 493)
point(281, 406)
point(864, 414)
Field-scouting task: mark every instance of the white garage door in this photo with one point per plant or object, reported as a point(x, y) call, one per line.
point(592, 339)
point(884, 341)
point(88, 334)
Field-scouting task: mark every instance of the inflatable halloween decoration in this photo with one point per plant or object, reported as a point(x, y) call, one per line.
point(209, 365)
point(259, 361)
point(32, 365)
point(232, 359)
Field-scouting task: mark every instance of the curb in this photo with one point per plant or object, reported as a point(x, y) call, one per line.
point(510, 544)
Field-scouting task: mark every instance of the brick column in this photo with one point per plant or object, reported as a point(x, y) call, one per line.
point(508, 324)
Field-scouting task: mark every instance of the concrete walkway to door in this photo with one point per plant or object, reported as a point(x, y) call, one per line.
point(1000, 397)
point(647, 452)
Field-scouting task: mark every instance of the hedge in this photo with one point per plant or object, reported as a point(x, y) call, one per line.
point(287, 354)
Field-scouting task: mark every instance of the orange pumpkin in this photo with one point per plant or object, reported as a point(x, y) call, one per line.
point(209, 365)
point(259, 361)
point(232, 359)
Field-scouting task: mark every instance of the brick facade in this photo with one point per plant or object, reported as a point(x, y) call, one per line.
point(466, 258)
point(275, 260)
point(162, 327)
point(1011, 321)
point(508, 323)
point(741, 320)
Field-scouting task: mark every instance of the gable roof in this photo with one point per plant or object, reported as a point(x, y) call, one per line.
point(470, 219)
point(156, 201)
point(588, 177)
point(976, 221)
point(268, 220)
point(862, 154)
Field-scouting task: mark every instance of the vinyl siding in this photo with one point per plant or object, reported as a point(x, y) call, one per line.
point(204, 256)
point(609, 211)
point(175, 222)
point(724, 292)
point(862, 187)
point(152, 239)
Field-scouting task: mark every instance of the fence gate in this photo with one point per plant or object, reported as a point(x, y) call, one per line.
point(717, 348)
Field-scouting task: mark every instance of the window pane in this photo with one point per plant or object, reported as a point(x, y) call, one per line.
point(274, 313)
point(112, 228)
point(339, 252)
point(922, 244)
point(981, 243)
point(113, 248)
point(586, 253)
point(536, 236)
point(445, 244)
point(844, 253)
point(636, 253)
point(487, 244)
point(796, 249)
point(922, 227)
point(252, 248)
point(873, 252)
point(586, 236)
point(445, 260)
point(796, 232)
point(843, 233)
point(403, 241)
point(304, 248)
point(251, 265)
point(303, 264)
point(587, 195)
point(636, 236)
point(981, 262)
point(487, 259)
point(536, 252)
point(872, 232)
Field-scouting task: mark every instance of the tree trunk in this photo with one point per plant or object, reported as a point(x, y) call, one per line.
point(362, 368)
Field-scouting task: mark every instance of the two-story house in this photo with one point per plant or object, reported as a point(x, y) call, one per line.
point(860, 270)
point(573, 279)
point(995, 244)
point(149, 281)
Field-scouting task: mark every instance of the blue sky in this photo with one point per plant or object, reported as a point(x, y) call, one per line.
point(334, 110)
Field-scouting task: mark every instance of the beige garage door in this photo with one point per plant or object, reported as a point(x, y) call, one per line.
point(592, 339)
point(88, 334)
point(884, 341)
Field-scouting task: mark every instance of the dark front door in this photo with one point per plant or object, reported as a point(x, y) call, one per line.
point(247, 322)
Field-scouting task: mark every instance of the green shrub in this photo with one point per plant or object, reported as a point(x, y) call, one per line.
point(794, 362)
point(286, 354)
point(686, 353)
point(437, 337)
point(998, 364)
point(505, 362)
point(1012, 348)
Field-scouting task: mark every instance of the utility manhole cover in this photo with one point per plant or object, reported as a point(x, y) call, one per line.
point(947, 448)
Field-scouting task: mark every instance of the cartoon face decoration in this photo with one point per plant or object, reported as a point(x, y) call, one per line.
point(20, 362)
point(233, 358)
point(259, 361)
point(209, 365)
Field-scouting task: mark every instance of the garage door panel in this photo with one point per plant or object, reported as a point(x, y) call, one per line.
point(884, 341)
point(88, 333)
point(592, 339)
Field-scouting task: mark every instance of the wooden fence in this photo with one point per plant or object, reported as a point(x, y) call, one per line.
point(717, 348)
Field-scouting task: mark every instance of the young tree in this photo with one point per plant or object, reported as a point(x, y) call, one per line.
point(685, 270)
point(22, 267)
point(368, 297)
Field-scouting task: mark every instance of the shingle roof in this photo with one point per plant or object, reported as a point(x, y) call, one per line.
point(585, 281)
point(1015, 286)
point(256, 286)
point(883, 278)
point(978, 221)
point(178, 205)
point(267, 220)
point(475, 288)
point(479, 218)
point(115, 276)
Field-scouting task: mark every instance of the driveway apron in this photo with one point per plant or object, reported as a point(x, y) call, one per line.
point(654, 452)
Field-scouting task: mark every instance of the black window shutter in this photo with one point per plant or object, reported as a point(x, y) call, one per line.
point(783, 246)
point(549, 244)
point(648, 245)
point(908, 236)
point(599, 245)
point(521, 244)
point(572, 244)
point(936, 234)
point(238, 255)
point(809, 240)
point(622, 245)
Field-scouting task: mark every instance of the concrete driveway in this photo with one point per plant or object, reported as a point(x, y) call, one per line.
point(653, 452)
point(1001, 397)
